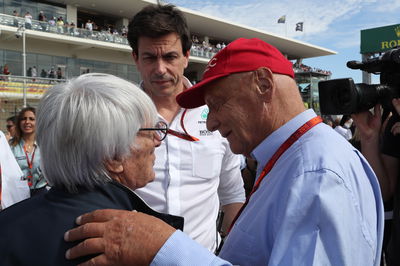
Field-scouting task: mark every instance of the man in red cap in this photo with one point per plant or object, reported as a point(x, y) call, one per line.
point(196, 172)
point(316, 201)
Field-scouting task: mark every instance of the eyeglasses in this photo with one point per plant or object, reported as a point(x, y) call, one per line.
point(161, 129)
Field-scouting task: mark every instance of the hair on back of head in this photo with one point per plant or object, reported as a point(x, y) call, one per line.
point(83, 123)
point(155, 21)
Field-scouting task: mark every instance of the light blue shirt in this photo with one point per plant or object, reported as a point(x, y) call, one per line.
point(38, 179)
point(320, 205)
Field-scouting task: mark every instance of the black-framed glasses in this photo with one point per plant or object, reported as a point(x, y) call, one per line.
point(160, 128)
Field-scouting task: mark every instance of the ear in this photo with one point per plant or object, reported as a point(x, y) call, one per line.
point(265, 82)
point(135, 57)
point(186, 55)
point(114, 166)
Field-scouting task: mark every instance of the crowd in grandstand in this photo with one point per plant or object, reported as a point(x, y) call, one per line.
point(305, 68)
point(51, 23)
point(52, 73)
point(91, 30)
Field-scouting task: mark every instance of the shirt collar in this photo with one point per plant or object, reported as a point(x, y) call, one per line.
point(23, 143)
point(264, 151)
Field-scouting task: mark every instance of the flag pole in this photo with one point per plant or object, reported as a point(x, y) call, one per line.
point(285, 29)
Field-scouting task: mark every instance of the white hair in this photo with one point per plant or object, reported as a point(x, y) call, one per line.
point(85, 122)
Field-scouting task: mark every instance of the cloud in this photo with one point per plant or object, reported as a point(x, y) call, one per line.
point(388, 6)
point(334, 24)
point(263, 15)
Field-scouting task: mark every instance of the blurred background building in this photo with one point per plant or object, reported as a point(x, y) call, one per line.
point(45, 42)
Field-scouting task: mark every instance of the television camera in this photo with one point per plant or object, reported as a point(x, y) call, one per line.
point(343, 96)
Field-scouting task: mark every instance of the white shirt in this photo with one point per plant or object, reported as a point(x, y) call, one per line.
point(28, 18)
point(345, 132)
point(13, 189)
point(194, 178)
point(89, 26)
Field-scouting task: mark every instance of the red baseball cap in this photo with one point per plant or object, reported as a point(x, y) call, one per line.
point(241, 55)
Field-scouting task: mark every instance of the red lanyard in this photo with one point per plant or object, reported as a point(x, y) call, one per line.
point(270, 164)
point(30, 165)
point(181, 135)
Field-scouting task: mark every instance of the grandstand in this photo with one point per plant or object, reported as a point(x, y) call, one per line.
point(74, 49)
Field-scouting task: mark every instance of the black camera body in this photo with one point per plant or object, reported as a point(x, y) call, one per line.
point(343, 96)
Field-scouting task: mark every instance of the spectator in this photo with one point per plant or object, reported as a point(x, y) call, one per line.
point(344, 127)
point(60, 25)
point(72, 29)
point(89, 27)
point(59, 73)
point(42, 20)
point(89, 164)
point(6, 72)
point(11, 123)
point(34, 73)
point(41, 16)
point(43, 73)
point(28, 20)
point(52, 74)
point(52, 24)
point(26, 150)
point(382, 152)
point(124, 31)
point(15, 19)
point(29, 72)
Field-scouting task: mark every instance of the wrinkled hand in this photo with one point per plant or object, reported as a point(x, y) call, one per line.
point(119, 237)
point(368, 124)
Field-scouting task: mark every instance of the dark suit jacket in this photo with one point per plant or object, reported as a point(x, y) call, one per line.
point(31, 232)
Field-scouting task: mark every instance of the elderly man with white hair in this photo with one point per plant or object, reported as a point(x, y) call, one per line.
point(315, 200)
point(97, 135)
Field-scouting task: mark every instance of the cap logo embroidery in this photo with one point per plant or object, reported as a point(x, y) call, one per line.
point(212, 63)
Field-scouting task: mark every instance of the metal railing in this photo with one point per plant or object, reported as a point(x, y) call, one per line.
point(49, 26)
point(12, 86)
point(46, 26)
point(12, 92)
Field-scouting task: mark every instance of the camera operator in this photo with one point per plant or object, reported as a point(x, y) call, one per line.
point(380, 145)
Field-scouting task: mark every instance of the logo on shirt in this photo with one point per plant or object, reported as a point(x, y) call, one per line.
point(205, 133)
point(204, 113)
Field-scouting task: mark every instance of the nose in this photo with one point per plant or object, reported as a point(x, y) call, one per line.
point(156, 140)
point(212, 123)
point(160, 67)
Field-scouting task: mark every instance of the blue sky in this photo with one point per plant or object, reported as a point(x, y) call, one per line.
point(332, 24)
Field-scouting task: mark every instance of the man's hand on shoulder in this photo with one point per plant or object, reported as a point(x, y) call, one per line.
point(119, 237)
